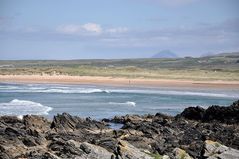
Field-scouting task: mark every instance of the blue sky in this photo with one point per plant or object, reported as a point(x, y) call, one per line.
point(79, 29)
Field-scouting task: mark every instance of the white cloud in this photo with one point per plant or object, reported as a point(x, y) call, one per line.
point(69, 29)
point(88, 28)
point(92, 27)
point(117, 30)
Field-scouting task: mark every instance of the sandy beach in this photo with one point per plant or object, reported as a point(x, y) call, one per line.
point(96, 80)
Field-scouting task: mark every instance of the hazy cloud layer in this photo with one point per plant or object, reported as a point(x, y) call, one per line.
point(224, 35)
point(116, 29)
point(88, 29)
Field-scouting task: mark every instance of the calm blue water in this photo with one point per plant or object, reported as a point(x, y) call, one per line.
point(102, 101)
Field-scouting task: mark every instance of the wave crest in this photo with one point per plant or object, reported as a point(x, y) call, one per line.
point(23, 107)
point(88, 90)
point(65, 90)
point(128, 103)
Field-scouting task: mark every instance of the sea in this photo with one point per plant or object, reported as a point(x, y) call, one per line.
point(98, 102)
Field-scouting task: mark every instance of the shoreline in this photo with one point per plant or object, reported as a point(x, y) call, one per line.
point(117, 81)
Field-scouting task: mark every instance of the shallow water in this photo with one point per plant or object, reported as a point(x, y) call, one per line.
point(103, 101)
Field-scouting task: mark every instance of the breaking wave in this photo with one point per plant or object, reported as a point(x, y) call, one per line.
point(23, 107)
point(52, 90)
point(182, 93)
point(88, 90)
point(133, 104)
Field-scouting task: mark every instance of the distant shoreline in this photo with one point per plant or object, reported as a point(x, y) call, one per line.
point(117, 81)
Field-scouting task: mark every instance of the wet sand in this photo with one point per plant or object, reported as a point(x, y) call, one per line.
point(116, 81)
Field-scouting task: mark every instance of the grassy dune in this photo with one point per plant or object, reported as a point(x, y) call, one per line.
point(220, 67)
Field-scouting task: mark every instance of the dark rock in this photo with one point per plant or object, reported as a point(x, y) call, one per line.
point(73, 148)
point(29, 142)
point(85, 148)
point(228, 115)
point(109, 144)
point(13, 132)
point(74, 137)
point(36, 123)
point(67, 123)
point(235, 104)
point(214, 150)
point(40, 154)
point(193, 113)
point(64, 122)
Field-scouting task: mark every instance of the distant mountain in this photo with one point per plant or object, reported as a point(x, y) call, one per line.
point(165, 54)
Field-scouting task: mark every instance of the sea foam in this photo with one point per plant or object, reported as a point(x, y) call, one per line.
point(66, 90)
point(128, 103)
point(23, 107)
point(89, 90)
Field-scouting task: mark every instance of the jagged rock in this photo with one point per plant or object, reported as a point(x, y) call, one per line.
point(10, 121)
point(228, 115)
point(88, 123)
point(36, 123)
point(235, 104)
point(146, 136)
point(13, 150)
point(129, 118)
point(193, 113)
point(40, 154)
point(214, 150)
point(29, 141)
point(64, 122)
point(13, 132)
point(96, 152)
point(109, 144)
point(85, 148)
point(127, 150)
point(181, 154)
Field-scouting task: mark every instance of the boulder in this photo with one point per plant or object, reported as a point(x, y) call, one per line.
point(181, 154)
point(36, 123)
point(95, 152)
point(193, 113)
point(64, 122)
point(126, 150)
point(146, 136)
point(214, 150)
point(228, 114)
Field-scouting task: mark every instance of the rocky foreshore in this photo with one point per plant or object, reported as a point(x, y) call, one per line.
point(195, 133)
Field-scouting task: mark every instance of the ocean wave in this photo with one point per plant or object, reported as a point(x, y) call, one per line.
point(169, 92)
point(133, 104)
point(23, 107)
point(189, 93)
point(8, 87)
point(56, 90)
point(88, 90)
